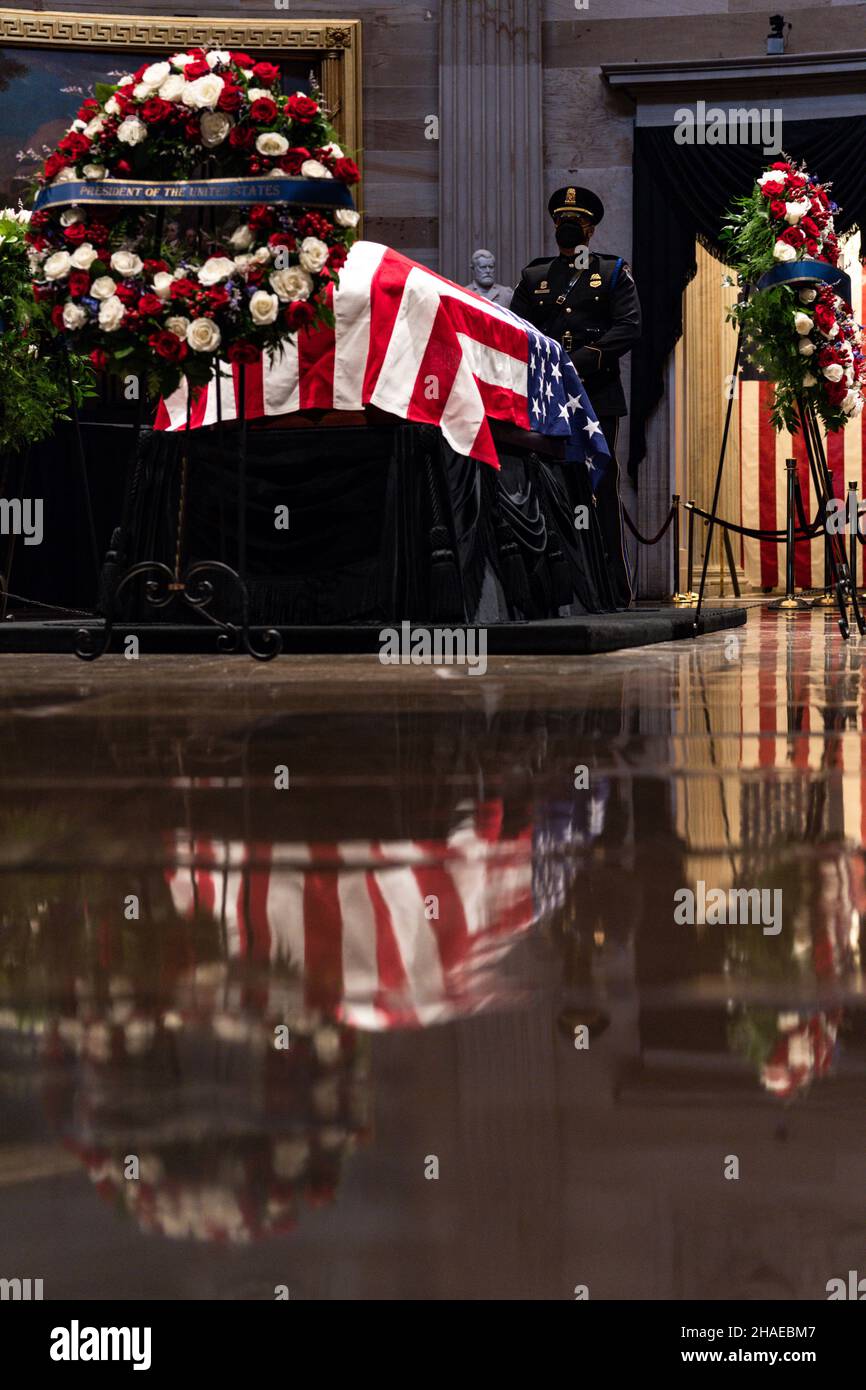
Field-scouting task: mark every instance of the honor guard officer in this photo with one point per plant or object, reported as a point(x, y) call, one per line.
point(589, 303)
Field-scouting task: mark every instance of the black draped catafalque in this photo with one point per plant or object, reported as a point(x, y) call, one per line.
point(588, 302)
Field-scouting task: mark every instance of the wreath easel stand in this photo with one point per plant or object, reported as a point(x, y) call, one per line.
point(799, 274)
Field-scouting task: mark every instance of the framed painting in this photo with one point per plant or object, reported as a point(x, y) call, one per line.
point(50, 61)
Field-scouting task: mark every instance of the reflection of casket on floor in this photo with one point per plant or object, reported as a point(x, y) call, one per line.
point(377, 436)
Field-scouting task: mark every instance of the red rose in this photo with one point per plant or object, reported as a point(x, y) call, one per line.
point(230, 99)
point(124, 101)
point(811, 246)
point(266, 73)
point(263, 110)
point(773, 188)
point(199, 68)
point(283, 239)
point(347, 171)
point(79, 283)
point(260, 217)
point(254, 275)
point(39, 243)
point(836, 391)
point(793, 237)
point(293, 159)
point(243, 60)
point(99, 359)
point(168, 346)
point(782, 164)
point(337, 258)
point(217, 297)
point(241, 137)
point(150, 305)
point(127, 295)
point(777, 209)
point(183, 289)
point(42, 293)
point(74, 143)
point(152, 268)
point(57, 316)
point(299, 314)
point(824, 317)
point(155, 110)
point(54, 163)
point(192, 130)
point(75, 234)
point(796, 181)
point(243, 352)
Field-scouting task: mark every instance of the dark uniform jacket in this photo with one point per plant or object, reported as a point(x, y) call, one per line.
point(601, 312)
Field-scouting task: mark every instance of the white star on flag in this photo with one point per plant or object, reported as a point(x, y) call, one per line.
point(592, 427)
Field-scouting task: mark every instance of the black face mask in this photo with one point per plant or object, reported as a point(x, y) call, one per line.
point(570, 234)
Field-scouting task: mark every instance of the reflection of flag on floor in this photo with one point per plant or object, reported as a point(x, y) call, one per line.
point(763, 453)
point(358, 919)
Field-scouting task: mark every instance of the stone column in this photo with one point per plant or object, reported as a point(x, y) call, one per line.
point(491, 155)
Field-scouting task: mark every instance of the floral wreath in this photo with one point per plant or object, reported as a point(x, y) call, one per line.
point(161, 307)
point(805, 338)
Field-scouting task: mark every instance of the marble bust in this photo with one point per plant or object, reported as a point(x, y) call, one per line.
point(484, 279)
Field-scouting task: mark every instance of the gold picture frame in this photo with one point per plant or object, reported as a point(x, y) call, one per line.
point(333, 45)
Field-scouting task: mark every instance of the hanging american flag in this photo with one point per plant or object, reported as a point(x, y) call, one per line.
point(763, 452)
point(417, 346)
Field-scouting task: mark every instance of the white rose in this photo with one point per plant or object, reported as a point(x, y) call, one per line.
point(312, 169)
point(783, 252)
point(803, 323)
point(334, 151)
point(125, 81)
point(103, 287)
point(162, 283)
point(156, 74)
point(217, 55)
point(73, 315)
point(264, 307)
point(833, 372)
point(810, 380)
point(66, 176)
point(805, 347)
point(177, 325)
point(203, 335)
point(215, 126)
point(172, 88)
point(347, 217)
point(131, 131)
point(314, 254)
point(794, 211)
point(832, 332)
point(768, 177)
point(57, 266)
point(253, 93)
point(272, 144)
point(111, 107)
point(69, 216)
point(180, 60)
point(111, 314)
point(215, 268)
point(84, 256)
point(262, 255)
point(94, 172)
point(243, 263)
point(142, 91)
point(808, 296)
point(242, 238)
point(94, 127)
point(203, 92)
point(848, 403)
point(126, 263)
point(293, 283)
point(78, 125)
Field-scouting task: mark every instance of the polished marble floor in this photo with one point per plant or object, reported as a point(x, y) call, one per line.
point(361, 982)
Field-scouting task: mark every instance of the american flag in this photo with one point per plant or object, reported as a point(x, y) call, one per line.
point(417, 346)
point(763, 453)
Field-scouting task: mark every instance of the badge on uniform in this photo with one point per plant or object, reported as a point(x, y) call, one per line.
point(595, 281)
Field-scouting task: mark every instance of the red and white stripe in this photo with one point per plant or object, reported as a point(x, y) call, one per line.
point(763, 452)
point(355, 918)
point(405, 340)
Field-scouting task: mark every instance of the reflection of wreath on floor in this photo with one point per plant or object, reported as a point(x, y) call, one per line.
point(148, 297)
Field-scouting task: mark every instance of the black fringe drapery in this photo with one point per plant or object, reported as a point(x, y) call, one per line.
point(385, 523)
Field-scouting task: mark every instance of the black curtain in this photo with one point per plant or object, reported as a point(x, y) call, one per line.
point(681, 194)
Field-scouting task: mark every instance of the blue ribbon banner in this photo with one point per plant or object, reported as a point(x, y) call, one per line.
point(796, 273)
point(310, 193)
